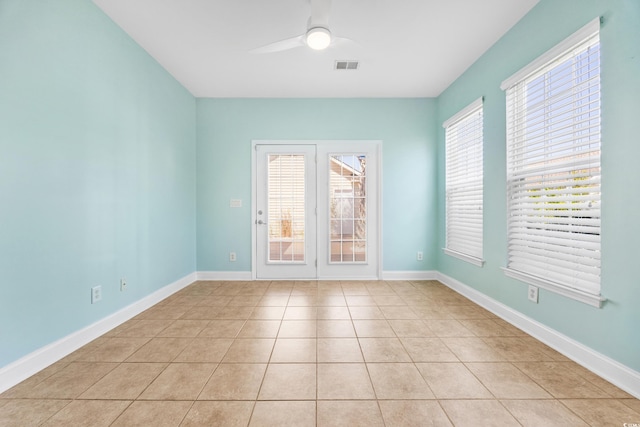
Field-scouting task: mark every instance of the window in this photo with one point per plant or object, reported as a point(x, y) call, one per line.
point(286, 208)
point(464, 144)
point(348, 208)
point(553, 169)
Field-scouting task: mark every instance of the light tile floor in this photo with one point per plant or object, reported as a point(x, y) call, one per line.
point(316, 354)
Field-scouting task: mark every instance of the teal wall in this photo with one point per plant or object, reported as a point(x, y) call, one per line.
point(97, 172)
point(611, 330)
point(406, 127)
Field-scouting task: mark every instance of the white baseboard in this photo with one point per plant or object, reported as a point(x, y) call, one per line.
point(242, 276)
point(618, 374)
point(34, 362)
point(410, 275)
point(386, 275)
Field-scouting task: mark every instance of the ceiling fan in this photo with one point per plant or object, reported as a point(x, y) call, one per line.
point(317, 37)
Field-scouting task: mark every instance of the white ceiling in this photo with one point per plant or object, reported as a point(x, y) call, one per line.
point(406, 48)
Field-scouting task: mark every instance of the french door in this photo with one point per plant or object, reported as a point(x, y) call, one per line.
point(285, 211)
point(316, 209)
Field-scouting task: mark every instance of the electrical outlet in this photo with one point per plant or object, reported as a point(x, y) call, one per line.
point(533, 293)
point(420, 257)
point(232, 256)
point(123, 284)
point(96, 294)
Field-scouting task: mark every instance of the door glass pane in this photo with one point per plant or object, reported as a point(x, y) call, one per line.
point(347, 208)
point(286, 208)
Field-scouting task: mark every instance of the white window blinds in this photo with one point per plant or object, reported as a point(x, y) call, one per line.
point(464, 145)
point(553, 169)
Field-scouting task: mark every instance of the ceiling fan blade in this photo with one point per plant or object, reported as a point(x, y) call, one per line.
point(281, 45)
point(343, 41)
point(319, 13)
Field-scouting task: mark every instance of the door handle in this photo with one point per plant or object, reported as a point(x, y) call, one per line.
point(261, 222)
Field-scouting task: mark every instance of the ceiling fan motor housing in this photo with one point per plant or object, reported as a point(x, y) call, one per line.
point(318, 38)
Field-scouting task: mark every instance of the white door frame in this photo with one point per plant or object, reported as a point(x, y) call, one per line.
point(377, 144)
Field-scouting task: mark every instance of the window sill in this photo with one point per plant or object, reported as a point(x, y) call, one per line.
point(468, 258)
point(584, 297)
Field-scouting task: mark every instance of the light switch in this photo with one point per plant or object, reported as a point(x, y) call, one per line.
point(235, 203)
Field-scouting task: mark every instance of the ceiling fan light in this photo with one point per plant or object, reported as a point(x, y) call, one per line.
point(318, 38)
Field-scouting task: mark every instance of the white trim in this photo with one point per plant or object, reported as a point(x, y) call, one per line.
point(464, 112)
point(254, 216)
point(379, 186)
point(559, 49)
point(576, 294)
point(241, 276)
point(385, 275)
point(464, 257)
point(410, 275)
point(39, 359)
point(618, 374)
point(345, 278)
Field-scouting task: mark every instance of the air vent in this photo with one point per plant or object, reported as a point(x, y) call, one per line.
point(347, 65)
